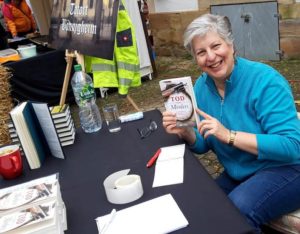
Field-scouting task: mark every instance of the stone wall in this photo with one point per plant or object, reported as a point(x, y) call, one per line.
point(167, 28)
point(289, 28)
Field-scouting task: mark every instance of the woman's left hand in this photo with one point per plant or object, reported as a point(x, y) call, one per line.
point(212, 126)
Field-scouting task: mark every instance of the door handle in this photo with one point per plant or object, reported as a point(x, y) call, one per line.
point(246, 17)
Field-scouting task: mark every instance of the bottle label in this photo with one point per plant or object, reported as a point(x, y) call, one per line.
point(87, 93)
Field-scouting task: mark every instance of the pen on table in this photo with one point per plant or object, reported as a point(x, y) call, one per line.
point(153, 159)
point(109, 221)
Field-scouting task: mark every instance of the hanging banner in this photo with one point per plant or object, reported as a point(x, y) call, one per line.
point(88, 26)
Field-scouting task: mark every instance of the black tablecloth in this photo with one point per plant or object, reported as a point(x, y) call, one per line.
point(40, 78)
point(95, 156)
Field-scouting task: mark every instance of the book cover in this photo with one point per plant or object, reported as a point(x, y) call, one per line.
point(179, 98)
point(27, 194)
point(41, 218)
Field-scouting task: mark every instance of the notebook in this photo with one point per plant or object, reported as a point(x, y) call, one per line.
point(169, 168)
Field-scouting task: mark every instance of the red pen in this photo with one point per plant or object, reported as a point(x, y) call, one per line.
point(153, 159)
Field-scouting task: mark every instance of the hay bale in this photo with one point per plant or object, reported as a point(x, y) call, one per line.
point(6, 104)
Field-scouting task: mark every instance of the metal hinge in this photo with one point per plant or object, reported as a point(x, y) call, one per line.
point(279, 16)
point(280, 53)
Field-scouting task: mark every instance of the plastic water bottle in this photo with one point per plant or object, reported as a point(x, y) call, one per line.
point(83, 89)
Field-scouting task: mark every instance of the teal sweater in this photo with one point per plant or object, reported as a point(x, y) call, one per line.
point(257, 100)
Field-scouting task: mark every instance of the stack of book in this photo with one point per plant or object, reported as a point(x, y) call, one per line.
point(13, 135)
point(64, 124)
point(33, 207)
point(36, 132)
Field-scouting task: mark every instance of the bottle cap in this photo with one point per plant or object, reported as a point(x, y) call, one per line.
point(77, 67)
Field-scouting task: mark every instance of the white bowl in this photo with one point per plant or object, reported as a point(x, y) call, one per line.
point(27, 51)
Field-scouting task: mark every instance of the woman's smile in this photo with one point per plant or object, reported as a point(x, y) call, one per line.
point(214, 55)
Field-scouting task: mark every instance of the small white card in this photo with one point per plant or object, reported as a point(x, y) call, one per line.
point(169, 166)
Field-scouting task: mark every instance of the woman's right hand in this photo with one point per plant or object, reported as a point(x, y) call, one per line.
point(169, 123)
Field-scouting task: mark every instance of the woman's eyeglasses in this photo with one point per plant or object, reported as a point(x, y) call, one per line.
point(146, 131)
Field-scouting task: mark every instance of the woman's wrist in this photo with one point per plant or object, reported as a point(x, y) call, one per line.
point(188, 136)
point(232, 135)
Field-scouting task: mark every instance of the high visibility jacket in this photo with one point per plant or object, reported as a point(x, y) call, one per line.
point(124, 70)
point(18, 18)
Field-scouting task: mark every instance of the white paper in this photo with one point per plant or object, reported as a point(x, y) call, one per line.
point(169, 166)
point(156, 216)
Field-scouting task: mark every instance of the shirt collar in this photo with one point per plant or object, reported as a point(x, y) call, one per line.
point(230, 83)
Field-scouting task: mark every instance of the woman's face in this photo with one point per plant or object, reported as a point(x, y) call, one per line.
point(213, 55)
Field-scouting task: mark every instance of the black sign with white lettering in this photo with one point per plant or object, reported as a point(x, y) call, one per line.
point(88, 26)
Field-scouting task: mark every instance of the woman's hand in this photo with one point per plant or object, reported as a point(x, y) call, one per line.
point(211, 126)
point(169, 123)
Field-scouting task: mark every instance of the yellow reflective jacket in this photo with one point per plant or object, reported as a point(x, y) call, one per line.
point(124, 70)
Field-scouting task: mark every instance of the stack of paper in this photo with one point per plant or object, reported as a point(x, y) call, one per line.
point(33, 207)
point(159, 215)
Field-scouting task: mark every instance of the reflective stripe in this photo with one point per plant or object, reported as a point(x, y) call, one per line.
point(128, 66)
point(103, 67)
point(124, 81)
point(124, 70)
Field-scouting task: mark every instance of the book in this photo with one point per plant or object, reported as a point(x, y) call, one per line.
point(68, 133)
point(67, 140)
point(29, 193)
point(33, 207)
point(179, 98)
point(65, 127)
point(42, 218)
point(36, 132)
point(158, 215)
point(13, 135)
point(60, 114)
point(61, 120)
point(59, 111)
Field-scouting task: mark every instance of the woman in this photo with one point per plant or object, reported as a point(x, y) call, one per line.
point(248, 119)
point(18, 17)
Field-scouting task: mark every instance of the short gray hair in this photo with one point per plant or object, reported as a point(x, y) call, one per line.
point(207, 23)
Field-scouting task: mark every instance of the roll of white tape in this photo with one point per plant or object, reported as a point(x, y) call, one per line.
point(121, 188)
